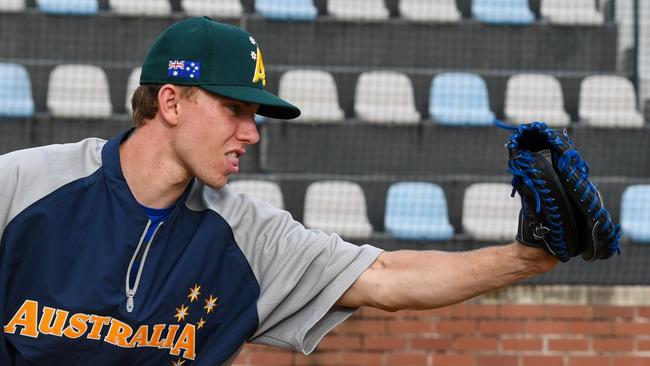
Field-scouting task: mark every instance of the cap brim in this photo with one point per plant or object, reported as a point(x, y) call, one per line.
point(270, 105)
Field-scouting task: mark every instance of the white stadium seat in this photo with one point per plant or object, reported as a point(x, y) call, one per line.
point(12, 5)
point(314, 91)
point(535, 97)
point(266, 191)
point(608, 101)
point(153, 8)
point(337, 207)
point(574, 12)
point(357, 9)
point(429, 10)
point(489, 213)
point(78, 91)
point(385, 97)
point(131, 85)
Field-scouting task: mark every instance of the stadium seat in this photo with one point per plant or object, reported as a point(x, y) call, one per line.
point(385, 97)
point(78, 91)
point(635, 213)
point(429, 10)
point(608, 101)
point(287, 9)
point(154, 8)
point(502, 11)
point(574, 12)
point(337, 207)
point(357, 9)
point(68, 7)
point(266, 191)
point(417, 211)
point(458, 98)
point(219, 9)
point(12, 5)
point(131, 85)
point(15, 91)
point(535, 97)
point(315, 92)
point(489, 213)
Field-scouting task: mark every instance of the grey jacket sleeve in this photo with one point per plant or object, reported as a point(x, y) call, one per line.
point(301, 272)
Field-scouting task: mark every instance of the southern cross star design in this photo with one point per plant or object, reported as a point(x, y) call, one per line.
point(200, 324)
point(194, 293)
point(178, 362)
point(210, 303)
point(181, 313)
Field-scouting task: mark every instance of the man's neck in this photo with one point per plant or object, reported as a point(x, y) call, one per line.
point(156, 178)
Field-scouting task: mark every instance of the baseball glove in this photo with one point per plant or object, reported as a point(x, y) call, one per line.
point(562, 210)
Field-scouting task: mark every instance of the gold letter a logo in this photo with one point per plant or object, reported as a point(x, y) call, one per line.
point(260, 73)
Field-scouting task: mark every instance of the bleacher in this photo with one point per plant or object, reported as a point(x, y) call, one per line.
point(374, 120)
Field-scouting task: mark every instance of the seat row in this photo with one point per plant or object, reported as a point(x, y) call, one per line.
point(487, 11)
point(82, 91)
point(418, 210)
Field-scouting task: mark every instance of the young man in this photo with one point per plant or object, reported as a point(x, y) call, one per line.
point(134, 251)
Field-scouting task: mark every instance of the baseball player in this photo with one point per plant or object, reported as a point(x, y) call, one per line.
point(133, 251)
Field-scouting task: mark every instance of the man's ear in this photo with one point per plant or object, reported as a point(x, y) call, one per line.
point(168, 98)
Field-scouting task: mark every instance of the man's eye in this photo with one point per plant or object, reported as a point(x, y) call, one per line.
point(234, 108)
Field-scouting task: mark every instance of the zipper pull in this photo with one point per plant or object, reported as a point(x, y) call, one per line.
point(129, 301)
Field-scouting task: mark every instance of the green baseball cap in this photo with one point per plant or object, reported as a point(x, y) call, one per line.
point(217, 57)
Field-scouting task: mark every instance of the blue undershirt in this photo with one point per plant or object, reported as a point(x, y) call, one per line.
point(156, 215)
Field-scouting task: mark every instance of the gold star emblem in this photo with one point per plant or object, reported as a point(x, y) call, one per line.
point(210, 304)
point(200, 324)
point(181, 313)
point(178, 362)
point(194, 293)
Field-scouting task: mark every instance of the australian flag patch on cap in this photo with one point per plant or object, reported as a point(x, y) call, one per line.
point(184, 69)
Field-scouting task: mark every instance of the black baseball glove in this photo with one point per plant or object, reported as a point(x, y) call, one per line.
point(562, 210)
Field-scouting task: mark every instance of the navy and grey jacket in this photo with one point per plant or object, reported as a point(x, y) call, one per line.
point(222, 269)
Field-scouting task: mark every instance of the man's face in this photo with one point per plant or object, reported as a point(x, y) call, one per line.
point(212, 134)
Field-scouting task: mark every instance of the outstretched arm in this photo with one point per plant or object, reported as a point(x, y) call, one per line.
point(420, 280)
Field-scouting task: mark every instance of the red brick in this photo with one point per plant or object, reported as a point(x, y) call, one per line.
point(568, 312)
point(340, 342)
point(568, 345)
point(453, 360)
point(613, 312)
point(318, 358)
point(254, 347)
point(368, 312)
point(361, 327)
point(496, 361)
point(644, 311)
point(613, 345)
point(271, 358)
point(410, 327)
point(632, 328)
point(361, 359)
point(543, 361)
point(378, 344)
point(643, 345)
point(590, 328)
point(456, 327)
point(406, 360)
point(500, 327)
point(631, 361)
point(481, 343)
point(522, 344)
point(431, 343)
point(546, 327)
point(588, 361)
point(521, 311)
point(445, 312)
point(475, 311)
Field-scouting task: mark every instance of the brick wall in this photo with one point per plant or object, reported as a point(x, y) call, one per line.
point(481, 334)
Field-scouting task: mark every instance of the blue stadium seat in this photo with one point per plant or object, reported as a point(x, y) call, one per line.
point(69, 7)
point(287, 9)
point(502, 11)
point(459, 98)
point(635, 213)
point(15, 91)
point(417, 211)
